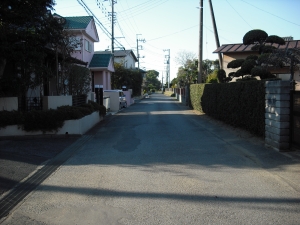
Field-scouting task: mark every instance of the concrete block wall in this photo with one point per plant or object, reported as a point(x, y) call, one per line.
point(277, 115)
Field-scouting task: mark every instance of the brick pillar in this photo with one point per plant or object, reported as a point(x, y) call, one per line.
point(277, 115)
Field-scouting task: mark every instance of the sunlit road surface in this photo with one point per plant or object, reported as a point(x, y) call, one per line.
point(157, 162)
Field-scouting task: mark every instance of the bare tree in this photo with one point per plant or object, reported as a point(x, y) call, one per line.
point(184, 56)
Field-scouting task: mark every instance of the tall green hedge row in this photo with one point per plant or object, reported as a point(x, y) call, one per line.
point(240, 104)
point(196, 92)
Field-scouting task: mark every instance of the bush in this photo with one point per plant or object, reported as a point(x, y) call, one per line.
point(102, 110)
point(240, 104)
point(213, 77)
point(49, 120)
point(11, 118)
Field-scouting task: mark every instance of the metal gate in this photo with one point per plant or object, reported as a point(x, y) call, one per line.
point(295, 118)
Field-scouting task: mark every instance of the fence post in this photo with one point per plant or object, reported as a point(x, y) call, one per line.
point(277, 115)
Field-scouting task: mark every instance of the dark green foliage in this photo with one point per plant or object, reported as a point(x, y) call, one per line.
point(247, 66)
point(263, 58)
point(267, 57)
point(131, 78)
point(152, 79)
point(11, 118)
point(268, 49)
point(239, 73)
point(240, 104)
point(235, 63)
point(221, 75)
point(256, 48)
point(254, 36)
point(26, 27)
point(275, 39)
point(79, 80)
point(261, 72)
point(49, 120)
point(255, 57)
point(102, 110)
point(97, 107)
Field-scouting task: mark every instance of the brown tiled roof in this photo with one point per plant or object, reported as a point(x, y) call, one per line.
point(247, 48)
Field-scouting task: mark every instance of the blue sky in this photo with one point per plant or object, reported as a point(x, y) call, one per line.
point(174, 24)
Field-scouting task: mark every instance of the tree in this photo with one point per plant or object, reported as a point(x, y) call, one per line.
point(212, 77)
point(188, 73)
point(289, 57)
point(221, 74)
point(26, 29)
point(131, 78)
point(174, 82)
point(208, 66)
point(79, 80)
point(184, 56)
point(152, 79)
point(257, 65)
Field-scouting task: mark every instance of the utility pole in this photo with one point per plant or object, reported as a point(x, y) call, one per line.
point(162, 82)
point(167, 57)
point(138, 47)
point(113, 19)
point(200, 56)
point(215, 31)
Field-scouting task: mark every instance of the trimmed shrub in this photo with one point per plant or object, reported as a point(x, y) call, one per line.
point(196, 92)
point(49, 120)
point(240, 104)
point(11, 118)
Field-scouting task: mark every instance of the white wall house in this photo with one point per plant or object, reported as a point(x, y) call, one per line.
point(126, 57)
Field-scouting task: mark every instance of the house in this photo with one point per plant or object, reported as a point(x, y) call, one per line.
point(240, 51)
point(125, 57)
point(100, 65)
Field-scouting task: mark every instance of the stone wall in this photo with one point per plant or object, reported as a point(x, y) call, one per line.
point(277, 115)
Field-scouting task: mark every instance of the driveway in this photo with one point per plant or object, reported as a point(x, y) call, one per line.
point(157, 162)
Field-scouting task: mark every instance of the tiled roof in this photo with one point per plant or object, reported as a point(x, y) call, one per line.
point(100, 60)
point(78, 22)
point(124, 53)
point(230, 48)
point(120, 53)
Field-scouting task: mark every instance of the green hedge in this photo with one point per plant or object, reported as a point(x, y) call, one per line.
point(240, 104)
point(196, 92)
point(48, 120)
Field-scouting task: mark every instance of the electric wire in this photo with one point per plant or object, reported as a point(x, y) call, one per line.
point(239, 14)
point(271, 13)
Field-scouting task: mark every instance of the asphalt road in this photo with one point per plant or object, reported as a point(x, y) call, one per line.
point(157, 162)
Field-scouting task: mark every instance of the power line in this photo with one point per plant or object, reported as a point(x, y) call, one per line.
point(138, 12)
point(270, 13)
point(239, 14)
point(173, 33)
point(89, 12)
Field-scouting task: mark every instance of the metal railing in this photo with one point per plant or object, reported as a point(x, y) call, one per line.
point(30, 103)
point(78, 100)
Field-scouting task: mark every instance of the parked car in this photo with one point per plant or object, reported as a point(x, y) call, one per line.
point(122, 103)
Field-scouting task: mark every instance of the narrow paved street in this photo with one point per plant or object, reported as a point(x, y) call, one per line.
point(157, 162)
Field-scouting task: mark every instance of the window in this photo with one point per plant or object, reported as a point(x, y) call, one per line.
point(88, 46)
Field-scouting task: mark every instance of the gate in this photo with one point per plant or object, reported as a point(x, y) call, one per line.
point(295, 118)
